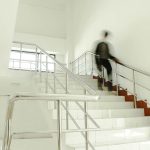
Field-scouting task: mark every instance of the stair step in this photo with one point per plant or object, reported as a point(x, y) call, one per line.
point(103, 105)
point(105, 113)
point(136, 144)
point(109, 137)
point(111, 123)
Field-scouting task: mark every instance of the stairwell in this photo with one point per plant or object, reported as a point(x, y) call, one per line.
point(110, 123)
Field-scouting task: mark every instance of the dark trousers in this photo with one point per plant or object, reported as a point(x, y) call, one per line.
point(106, 64)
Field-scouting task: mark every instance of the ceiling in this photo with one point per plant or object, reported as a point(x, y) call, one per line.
point(52, 4)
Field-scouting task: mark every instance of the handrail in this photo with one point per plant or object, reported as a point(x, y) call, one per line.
point(125, 65)
point(48, 97)
point(133, 69)
point(76, 78)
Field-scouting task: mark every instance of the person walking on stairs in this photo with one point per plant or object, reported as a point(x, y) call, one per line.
point(102, 59)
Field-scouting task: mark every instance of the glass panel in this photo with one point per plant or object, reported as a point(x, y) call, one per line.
point(43, 68)
point(51, 67)
point(28, 56)
point(51, 60)
point(15, 55)
point(25, 65)
point(28, 60)
point(10, 64)
point(43, 58)
point(16, 64)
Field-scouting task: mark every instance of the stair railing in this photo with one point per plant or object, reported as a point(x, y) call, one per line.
point(87, 88)
point(41, 51)
point(86, 60)
point(9, 134)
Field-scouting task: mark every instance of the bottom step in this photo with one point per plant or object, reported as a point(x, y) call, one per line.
point(137, 144)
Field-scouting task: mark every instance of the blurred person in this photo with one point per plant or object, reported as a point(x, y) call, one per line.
point(102, 59)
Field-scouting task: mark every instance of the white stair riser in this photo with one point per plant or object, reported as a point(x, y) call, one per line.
point(114, 123)
point(128, 146)
point(106, 137)
point(104, 105)
point(114, 113)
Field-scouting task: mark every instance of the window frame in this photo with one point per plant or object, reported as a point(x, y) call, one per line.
point(36, 63)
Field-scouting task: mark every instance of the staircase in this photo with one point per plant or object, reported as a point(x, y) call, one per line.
point(74, 119)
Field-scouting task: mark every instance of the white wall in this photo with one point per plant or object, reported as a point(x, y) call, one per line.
point(42, 20)
point(53, 45)
point(8, 11)
point(128, 21)
point(44, 26)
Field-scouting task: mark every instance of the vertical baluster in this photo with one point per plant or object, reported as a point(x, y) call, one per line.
point(20, 56)
point(40, 66)
point(86, 125)
point(92, 64)
point(67, 116)
point(134, 88)
point(46, 87)
point(59, 124)
point(37, 60)
point(117, 84)
point(78, 66)
point(85, 65)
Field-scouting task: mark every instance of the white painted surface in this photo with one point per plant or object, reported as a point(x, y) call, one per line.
point(8, 11)
point(129, 24)
point(53, 45)
point(34, 18)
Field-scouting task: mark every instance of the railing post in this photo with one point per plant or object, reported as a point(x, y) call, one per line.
point(103, 76)
point(37, 60)
point(86, 125)
point(67, 104)
point(117, 84)
point(72, 66)
point(20, 56)
point(46, 87)
point(59, 124)
point(40, 66)
point(54, 77)
point(9, 135)
point(85, 65)
point(134, 88)
point(78, 66)
point(92, 64)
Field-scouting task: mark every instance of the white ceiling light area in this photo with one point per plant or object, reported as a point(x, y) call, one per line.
point(42, 17)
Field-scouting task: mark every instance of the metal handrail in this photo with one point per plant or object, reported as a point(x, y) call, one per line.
point(134, 70)
point(122, 64)
point(8, 136)
point(76, 78)
point(80, 106)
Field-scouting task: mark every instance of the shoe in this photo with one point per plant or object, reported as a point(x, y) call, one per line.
point(109, 84)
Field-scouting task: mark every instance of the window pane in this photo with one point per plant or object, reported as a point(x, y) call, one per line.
point(50, 60)
point(43, 67)
point(10, 64)
point(28, 56)
point(33, 66)
point(15, 55)
point(43, 59)
point(51, 67)
point(25, 65)
point(16, 64)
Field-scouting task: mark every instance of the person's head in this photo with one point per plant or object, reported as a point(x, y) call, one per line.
point(105, 34)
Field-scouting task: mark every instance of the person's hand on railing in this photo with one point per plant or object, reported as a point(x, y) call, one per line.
point(117, 61)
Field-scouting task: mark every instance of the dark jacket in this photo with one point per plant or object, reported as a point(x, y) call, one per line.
point(102, 50)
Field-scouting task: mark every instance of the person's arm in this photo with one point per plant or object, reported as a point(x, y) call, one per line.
point(114, 59)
